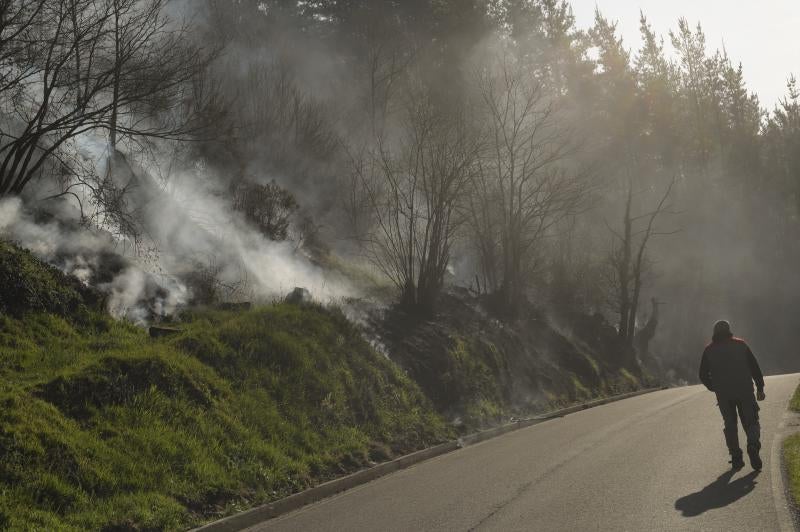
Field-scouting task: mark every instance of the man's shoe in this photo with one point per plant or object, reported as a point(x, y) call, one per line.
point(737, 462)
point(755, 459)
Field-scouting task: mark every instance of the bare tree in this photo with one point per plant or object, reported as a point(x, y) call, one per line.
point(524, 186)
point(628, 259)
point(17, 29)
point(412, 193)
point(274, 110)
point(383, 74)
point(385, 68)
point(115, 65)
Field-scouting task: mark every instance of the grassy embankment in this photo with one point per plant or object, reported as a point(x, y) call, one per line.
point(479, 372)
point(102, 427)
point(791, 449)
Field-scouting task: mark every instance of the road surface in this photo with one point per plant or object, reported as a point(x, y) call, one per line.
point(653, 462)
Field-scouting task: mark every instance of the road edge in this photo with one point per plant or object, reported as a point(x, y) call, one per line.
point(789, 512)
point(259, 514)
point(791, 506)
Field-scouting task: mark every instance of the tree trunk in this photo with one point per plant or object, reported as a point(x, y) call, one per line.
point(624, 272)
point(112, 125)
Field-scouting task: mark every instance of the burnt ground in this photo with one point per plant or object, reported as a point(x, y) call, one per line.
point(478, 370)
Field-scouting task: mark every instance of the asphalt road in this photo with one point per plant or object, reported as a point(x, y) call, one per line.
point(653, 462)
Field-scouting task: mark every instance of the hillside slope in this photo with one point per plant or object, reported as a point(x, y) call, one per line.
point(104, 428)
point(479, 371)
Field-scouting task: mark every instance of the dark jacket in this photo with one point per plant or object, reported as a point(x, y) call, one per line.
point(729, 368)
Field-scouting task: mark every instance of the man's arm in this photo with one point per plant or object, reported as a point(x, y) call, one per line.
point(755, 370)
point(705, 372)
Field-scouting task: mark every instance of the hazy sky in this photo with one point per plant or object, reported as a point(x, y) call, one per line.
point(764, 36)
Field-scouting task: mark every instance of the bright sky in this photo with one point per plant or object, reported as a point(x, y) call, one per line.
point(764, 36)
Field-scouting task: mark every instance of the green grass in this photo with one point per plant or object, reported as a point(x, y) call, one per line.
point(791, 449)
point(102, 427)
point(469, 378)
point(581, 391)
point(629, 379)
point(791, 453)
point(30, 285)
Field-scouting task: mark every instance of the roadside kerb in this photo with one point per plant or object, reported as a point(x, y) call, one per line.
point(262, 513)
point(527, 422)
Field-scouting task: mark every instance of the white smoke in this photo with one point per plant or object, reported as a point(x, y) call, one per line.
point(90, 256)
point(125, 291)
point(195, 217)
point(187, 225)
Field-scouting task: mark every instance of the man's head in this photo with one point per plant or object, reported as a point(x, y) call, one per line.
point(722, 329)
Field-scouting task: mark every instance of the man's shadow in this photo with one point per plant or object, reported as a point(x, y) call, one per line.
point(719, 493)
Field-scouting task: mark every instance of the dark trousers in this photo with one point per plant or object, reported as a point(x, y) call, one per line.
point(747, 409)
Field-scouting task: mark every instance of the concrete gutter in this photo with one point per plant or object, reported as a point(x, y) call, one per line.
point(259, 514)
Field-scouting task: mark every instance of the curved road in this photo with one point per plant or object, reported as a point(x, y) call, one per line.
point(652, 462)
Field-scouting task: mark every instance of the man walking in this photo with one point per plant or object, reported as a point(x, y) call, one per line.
point(729, 368)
